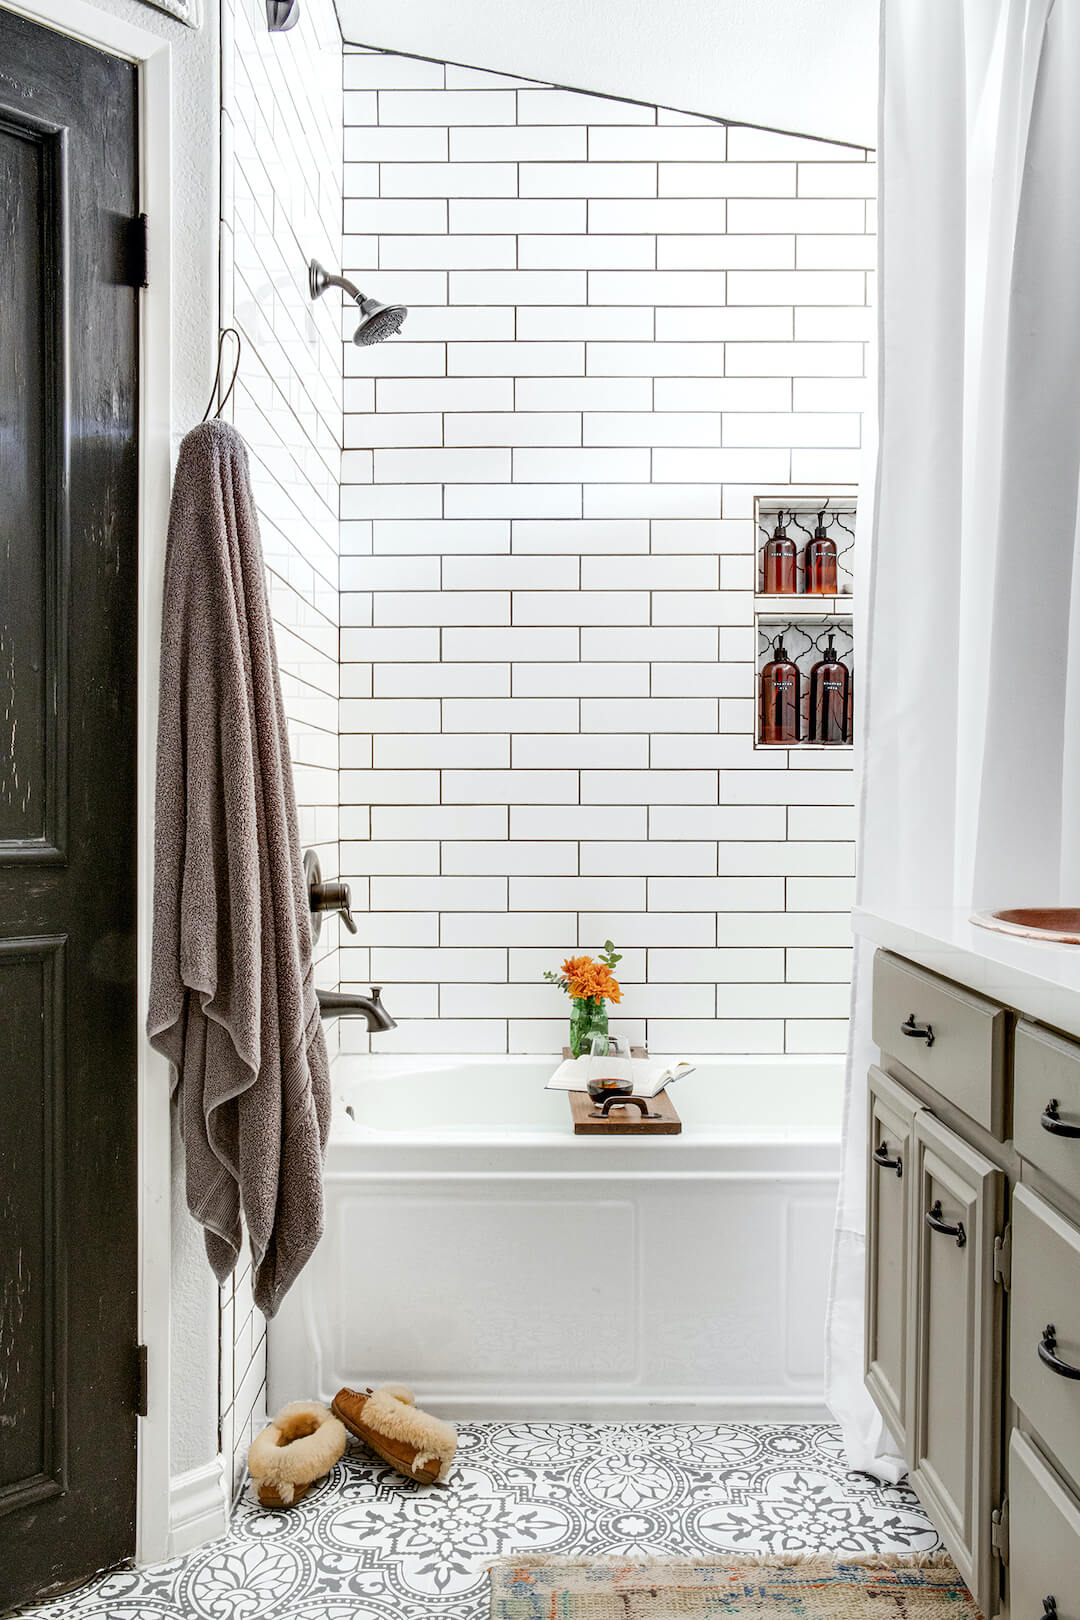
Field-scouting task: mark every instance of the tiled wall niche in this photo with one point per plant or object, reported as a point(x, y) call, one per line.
point(625, 322)
point(281, 203)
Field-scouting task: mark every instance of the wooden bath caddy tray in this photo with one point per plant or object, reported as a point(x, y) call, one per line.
point(637, 1116)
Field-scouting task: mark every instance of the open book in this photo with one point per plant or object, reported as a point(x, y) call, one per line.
point(650, 1077)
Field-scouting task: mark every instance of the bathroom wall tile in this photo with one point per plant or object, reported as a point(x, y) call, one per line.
point(649, 927)
point(550, 929)
point(717, 894)
point(725, 965)
point(439, 965)
point(626, 321)
point(388, 787)
point(579, 821)
point(523, 144)
point(819, 964)
point(438, 894)
point(581, 680)
point(487, 751)
point(447, 107)
point(442, 680)
point(685, 1037)
point(816, 1035)
point(509, 787)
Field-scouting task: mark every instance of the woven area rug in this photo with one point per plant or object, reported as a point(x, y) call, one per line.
point(807, 1588)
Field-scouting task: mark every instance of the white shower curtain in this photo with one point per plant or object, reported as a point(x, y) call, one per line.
point(969, 712)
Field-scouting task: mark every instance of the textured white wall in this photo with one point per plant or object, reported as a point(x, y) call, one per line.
point(803, 65)
point(624, 322)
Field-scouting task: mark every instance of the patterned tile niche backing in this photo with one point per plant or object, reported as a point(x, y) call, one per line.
point(281, 202)
point(624, 323)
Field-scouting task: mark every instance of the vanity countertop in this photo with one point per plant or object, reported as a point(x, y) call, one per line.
point(1034, 976)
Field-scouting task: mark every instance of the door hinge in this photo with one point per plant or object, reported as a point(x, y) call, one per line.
point(1003, 1259)
point(137, 252)
point(142, 1381)
point(999, 1530)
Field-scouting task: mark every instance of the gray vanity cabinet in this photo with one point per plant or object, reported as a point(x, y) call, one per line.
point(889, 1164)
point(956, 1198)
point(973, 1280)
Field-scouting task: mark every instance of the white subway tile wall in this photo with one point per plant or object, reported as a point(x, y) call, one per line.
point(623, 324)
point(281, 205)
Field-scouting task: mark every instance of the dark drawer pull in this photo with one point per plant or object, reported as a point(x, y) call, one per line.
point(1049, 1608)
point(1049, 1357)
point(1052, 1121)
point(880, 1156)
point(917, 1032)
point(936, 1224)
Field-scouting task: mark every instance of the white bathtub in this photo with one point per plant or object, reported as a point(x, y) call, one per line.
point(478, 1251)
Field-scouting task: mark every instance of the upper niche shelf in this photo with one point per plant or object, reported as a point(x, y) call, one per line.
point(782, 608)
point(800, 520)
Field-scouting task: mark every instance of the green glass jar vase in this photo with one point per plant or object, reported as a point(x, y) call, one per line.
point(588, 1017)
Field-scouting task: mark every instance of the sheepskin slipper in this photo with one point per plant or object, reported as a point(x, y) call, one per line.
point(387, 1419)
point(302, 1444)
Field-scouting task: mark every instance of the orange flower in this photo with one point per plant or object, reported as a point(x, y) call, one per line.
point(591, 980)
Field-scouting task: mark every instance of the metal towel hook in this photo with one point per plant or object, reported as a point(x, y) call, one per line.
point(223, 399)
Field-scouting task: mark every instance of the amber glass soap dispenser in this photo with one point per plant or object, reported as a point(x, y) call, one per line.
point(780, 698)
point(820, 560)
point(778, 578)
point(830, 699)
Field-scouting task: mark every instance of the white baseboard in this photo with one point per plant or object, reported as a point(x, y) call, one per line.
point(605, 1407)
point(198, 1507)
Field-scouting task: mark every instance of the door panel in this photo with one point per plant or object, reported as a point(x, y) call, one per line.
point(890, 1168)
point(957, 1374)
point(68, 555)
point(1044, 1522)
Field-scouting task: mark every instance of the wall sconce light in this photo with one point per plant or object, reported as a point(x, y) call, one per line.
point(281, 15)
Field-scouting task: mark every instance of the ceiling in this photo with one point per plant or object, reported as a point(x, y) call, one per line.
point(808, 66)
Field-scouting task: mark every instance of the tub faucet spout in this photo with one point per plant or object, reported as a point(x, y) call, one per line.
point(337, 1004)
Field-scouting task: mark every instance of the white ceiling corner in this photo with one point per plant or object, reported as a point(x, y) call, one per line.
point(808, 66)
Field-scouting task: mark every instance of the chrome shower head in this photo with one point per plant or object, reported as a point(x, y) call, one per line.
point(380, 320)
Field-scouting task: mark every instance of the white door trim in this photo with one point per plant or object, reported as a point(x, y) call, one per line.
point(153, 56)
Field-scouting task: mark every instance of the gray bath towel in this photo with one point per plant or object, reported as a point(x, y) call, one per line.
point(232, 995)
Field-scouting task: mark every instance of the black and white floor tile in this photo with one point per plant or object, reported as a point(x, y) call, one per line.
point(367, 1545)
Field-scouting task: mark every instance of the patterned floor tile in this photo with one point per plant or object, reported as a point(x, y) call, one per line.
point(367, 1545)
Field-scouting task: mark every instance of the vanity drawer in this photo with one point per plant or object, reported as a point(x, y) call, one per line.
point(1046, 1071)
point(1046, 1292)
point(1044, 1523)
point(950, 1038)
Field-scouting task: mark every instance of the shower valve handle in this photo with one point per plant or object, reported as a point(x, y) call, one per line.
point(324, 898)
point(337, 897)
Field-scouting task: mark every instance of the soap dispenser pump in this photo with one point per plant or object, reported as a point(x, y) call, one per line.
point(780, 698)
point(830, 698)
point(778, 574)
point(820, 560)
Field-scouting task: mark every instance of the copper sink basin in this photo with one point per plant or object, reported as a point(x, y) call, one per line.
point(1058, 924)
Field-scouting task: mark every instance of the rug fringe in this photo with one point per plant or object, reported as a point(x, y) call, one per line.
point(810, 1562)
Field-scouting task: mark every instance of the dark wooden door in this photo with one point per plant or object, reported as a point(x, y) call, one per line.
point(68, 553)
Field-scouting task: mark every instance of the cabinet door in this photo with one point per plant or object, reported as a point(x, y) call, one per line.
point(891, 1113)
point(956, 1412)
point(1044, 1539)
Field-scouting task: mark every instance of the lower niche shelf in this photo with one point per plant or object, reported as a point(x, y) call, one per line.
point(804, 638)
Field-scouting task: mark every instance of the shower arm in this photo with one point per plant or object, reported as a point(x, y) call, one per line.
point(320, 279)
